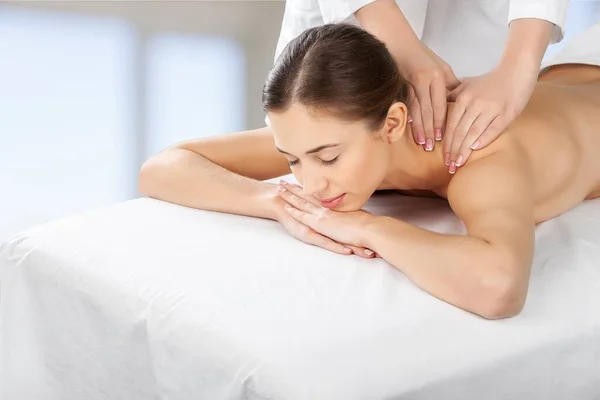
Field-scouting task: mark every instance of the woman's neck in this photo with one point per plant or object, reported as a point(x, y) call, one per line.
point(413, 168)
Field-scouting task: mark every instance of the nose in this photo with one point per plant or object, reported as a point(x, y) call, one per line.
point(313, 183)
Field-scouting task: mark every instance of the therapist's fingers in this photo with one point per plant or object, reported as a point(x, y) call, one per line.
point(424, 97)
point(414, 110)
point(498, 125)
point(452, 122)
point(453, 95)
point(467, 146)
point(438, 99)
point(462, 130)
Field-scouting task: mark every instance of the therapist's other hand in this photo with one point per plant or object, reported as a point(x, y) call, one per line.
point(431, 79)
point(484, 107)
point(292, 194)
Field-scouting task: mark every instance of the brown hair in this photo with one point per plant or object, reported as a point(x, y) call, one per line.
point(337, 68)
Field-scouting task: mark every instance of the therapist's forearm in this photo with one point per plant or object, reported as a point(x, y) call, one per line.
point(385, 20)
point(527, 42)
point(462, 270)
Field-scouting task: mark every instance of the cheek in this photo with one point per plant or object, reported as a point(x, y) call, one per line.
point(366, 169)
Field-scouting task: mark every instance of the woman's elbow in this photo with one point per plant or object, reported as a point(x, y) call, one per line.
point(503, 296)
point(151, 175)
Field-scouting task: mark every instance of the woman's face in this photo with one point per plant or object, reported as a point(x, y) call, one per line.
point(340, 163)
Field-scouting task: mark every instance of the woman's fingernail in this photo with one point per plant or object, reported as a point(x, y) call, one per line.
point(429, 145)
point(459, 160)
point(438, 134)
point(421, 138)
point(447, 159)
point(347, 250)
point(281, 188)
point(475, 145)
point(452, 169)
point(368, 252)
point(282, 182)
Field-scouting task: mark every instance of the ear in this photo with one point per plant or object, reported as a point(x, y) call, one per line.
point(395, 124)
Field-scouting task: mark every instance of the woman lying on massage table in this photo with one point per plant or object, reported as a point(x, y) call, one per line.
point(336, 105)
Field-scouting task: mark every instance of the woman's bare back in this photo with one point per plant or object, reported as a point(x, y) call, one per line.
point(559, 135)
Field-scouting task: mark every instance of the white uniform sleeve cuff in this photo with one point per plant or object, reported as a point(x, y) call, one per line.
point(554, 11)
point(340, 10)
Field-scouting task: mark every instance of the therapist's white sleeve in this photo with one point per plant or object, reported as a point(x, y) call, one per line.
point(554, 11)
point(299, 15)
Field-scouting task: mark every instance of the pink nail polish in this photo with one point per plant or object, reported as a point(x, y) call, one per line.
point(452, 169)
point(459, 160)
point(475, 145)
point(429, 145)
point(421, 138)
point(447, 159)
point(368, 252)
point(438, 134)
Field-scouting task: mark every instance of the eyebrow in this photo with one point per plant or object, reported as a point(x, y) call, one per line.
point(315, 150)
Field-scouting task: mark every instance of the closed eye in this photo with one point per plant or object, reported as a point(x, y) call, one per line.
point(329, 162)
point(324, 162)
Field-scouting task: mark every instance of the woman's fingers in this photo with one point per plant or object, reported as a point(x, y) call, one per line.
point(319, 240)
point(362, 252)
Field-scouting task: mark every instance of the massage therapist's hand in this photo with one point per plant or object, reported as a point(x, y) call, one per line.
point(304, 232)
point(485, 106)
point(429, 76)
point(431, 79)
point(342, 227)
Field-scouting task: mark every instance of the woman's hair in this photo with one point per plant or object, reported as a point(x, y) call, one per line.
point(337, 68)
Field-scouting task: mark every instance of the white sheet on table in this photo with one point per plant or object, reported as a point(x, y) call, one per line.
point(148, 300)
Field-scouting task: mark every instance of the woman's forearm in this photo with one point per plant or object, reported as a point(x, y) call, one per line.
point(183, 177)
point(462, 270)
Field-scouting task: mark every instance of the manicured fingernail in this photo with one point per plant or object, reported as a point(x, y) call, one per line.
point(429, 145)
point(421, 138)
point(281, 188)
point(452, 169)
point(438, 134)
point(447, 159)
point(368, 252)
point(459, 160)
point(475, 145)
point(409, 120)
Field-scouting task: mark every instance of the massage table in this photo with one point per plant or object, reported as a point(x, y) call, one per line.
point(149, 300)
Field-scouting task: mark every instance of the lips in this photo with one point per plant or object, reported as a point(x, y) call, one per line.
point(333, 202)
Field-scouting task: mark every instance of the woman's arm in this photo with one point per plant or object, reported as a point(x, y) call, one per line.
point(220, 173)
point(487, 271)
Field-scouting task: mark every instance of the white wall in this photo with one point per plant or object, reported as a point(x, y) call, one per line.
point(88, 90)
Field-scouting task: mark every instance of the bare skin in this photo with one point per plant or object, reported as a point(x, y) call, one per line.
point(544, 164)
